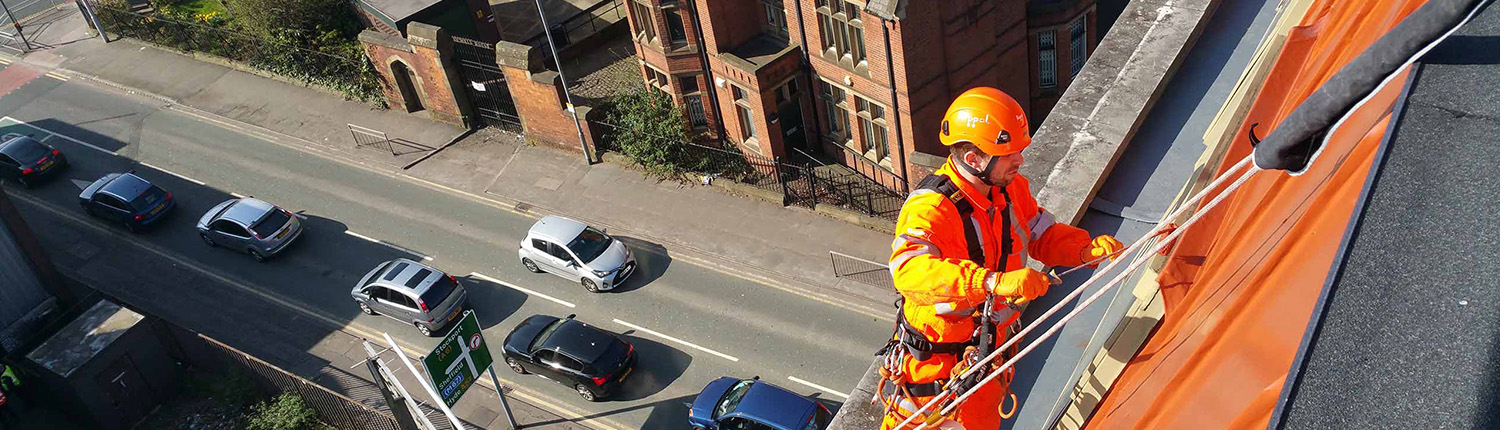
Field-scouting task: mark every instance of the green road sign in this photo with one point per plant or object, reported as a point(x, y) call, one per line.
point(459, 359)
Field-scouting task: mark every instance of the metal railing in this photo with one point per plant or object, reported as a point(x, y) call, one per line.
point(581, 26)
point(861, 270)
point(333, 408)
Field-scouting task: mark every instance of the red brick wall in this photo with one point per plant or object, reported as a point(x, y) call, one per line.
point(540, 105)
point(1058, 22)
point(428, 77)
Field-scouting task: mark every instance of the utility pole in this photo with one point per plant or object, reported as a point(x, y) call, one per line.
point(547, 30)
point(18, 25)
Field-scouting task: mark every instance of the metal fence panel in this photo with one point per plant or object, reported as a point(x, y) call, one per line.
point(861, 270)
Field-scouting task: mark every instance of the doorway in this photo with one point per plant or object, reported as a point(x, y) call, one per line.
point(409, 96)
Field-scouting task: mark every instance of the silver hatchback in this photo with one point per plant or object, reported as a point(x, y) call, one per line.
point(578, 252)
point(250, 226)
point(411, 292)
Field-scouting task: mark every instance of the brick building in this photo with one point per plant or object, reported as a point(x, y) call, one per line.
point(876, 87)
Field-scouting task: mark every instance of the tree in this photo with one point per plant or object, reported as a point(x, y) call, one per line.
point(648, 128)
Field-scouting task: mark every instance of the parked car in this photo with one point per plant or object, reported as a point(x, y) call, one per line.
point(751, 404)
point(413, 293)
point(28, 160)
point(578, 252)
point(127, 199)
point(251, 226)
point(592, 361)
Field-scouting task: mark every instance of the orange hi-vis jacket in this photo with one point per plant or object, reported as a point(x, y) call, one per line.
point(942, 287)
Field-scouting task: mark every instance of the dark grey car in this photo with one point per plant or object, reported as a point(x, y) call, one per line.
point(411, 292)
point(250, 226)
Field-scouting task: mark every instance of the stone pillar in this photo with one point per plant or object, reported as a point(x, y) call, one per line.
point(417, 74)
point(538, 96)
point(923, 164)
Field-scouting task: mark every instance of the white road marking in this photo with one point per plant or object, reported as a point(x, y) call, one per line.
point(524, 290)
point(50, 132)
point(237, 195)
point(169, 172)
point(388, 245)
point(688, 344)
point(818, 387)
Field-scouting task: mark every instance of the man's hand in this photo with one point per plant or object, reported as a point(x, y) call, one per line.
point(1101, 246)
point(1023, 284)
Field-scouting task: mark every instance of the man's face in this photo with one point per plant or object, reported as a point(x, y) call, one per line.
point(1006, 166)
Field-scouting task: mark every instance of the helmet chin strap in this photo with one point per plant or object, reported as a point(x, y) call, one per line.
point(983, 175)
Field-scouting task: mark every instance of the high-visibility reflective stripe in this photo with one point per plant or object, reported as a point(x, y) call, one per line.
point(904, 239)
point(1015, 226)
point(974, 219)
point(1040, 223)
point(948, 309)
point(909, 254)
point(914, 194)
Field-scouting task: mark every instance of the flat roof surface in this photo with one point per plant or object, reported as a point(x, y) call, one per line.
point(1409, 327)
point(82, 339)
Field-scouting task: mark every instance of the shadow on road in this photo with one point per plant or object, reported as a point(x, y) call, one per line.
point(651, 259)
point(491, 302)
point(657, 365)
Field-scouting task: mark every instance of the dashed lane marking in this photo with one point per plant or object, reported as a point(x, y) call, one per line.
point(524, 290)
point(424, 257)
point(64, 136)
point(352, 328)
point(817, 387)
point(169, 172)
point(688, 344)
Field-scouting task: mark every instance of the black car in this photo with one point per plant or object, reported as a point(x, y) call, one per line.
point(592, 361)
point(127, 199)
point(27, 160)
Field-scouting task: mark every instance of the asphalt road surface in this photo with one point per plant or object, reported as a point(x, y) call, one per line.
point(690, 324)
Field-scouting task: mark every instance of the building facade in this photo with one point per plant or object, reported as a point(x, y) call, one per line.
point(861, 82)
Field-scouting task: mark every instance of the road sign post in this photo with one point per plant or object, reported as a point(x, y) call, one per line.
point(500, 391)
point(458, 361)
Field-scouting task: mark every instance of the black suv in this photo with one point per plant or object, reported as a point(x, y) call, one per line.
point(592, 361)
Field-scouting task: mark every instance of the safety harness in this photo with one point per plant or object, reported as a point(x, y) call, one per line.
point(909, 341)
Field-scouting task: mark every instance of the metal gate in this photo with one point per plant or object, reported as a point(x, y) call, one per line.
point(485, 83)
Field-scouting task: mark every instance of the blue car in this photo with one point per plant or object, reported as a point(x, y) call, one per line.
point(751, 404)
point(126, 199)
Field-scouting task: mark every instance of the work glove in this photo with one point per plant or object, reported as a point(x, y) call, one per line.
point(1021, 285)
point(1101, 246)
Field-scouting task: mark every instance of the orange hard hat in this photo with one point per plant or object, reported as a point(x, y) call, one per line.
point(988, 118)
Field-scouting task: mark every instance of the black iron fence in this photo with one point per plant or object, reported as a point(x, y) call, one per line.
point(579, 27)
point(801, 185)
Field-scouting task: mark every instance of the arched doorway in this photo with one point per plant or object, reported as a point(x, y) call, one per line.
point(404, 84)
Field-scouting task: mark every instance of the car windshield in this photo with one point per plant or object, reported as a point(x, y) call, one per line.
point(25, 150)
point(545, 334)
point(439, 291)
point(732, 398)
point(148, 199)
point(270, 223)
point(589, 244)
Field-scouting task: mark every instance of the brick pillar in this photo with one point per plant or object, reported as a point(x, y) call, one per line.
point(923, 164)
point(417, 73)
point(538, 96)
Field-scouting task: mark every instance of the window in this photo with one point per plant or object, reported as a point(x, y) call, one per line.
point(872, 124)
point(775, 24)
point(657, 79)
point(417, 278)
point(229, 228)
point(540, 245)
point(688, 84)
point(391, 275)
point(590, 244)
point(786, 93)
point(568, 362)
point(832, 98)
point(742, 111)
point(546, 355)
point(842, 28)
point(695, 110)
point(270, 223)
point(1078, 44)
point(439, 290)
point(675, 31)
point(109, 201)
point(1046, 54)
point(645, 27)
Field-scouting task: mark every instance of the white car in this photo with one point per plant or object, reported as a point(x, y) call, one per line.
point(578, 252)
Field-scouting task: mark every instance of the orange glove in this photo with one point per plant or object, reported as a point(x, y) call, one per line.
point(1022, 284)
point(1101, 246)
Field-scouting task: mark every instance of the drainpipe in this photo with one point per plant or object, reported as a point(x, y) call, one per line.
point(708, 73)
point(890, 71)
point(812, 79)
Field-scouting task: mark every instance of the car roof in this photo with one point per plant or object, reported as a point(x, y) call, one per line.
point(9, 147)
point(581, 341)
point(127, 186)
point(770, 404)
point(409, 275)
point(247, 211)
point(557, 227)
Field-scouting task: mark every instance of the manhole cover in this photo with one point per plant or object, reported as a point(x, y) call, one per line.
point(523, 207)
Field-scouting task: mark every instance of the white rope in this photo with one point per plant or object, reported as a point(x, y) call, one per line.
point(1189, 204)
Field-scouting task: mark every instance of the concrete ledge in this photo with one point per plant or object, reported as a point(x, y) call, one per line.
point(382, 39)
point(858, 413)
point(748, 191)
point(515, 55)
point(425, 35)
point(856, 218)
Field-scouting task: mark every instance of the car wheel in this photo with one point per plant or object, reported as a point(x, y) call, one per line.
point(422, 328)
point(208, 240)
point(585, 393)
point(588, 284)
point(256, 255)
point(366, 309)
point(530, 265)
point(515, 365)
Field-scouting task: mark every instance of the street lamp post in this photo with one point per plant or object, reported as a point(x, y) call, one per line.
point(547, 30)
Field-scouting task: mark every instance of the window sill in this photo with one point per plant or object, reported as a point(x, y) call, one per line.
point(847, 63)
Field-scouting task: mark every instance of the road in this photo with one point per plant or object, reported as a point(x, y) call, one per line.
point(690, 324)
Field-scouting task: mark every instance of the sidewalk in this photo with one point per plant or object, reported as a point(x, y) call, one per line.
point(788, 247)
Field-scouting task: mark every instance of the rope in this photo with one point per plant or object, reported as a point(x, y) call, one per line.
point(1098, 275)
